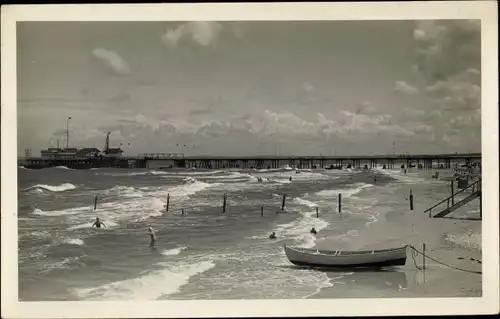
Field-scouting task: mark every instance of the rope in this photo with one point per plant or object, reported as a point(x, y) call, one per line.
point(415, 253)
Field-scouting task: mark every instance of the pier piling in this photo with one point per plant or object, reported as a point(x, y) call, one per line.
point(224, 203)
point(95, 203)
point(168, 201)
point(283, 203)
point(182, 211)
point(340, 203)
point(261, 211)
point(317, 212)
point(411, 200)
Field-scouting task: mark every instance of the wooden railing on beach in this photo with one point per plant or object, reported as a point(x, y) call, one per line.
point(476, 192)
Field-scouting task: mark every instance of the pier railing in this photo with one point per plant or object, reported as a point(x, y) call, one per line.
point(474, 187)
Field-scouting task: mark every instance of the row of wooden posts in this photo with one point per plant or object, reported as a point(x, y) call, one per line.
point(224, 205)
point(224, 202)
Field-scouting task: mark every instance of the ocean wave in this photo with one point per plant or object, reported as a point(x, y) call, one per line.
point(52, 188)
point(74, 241)
point(299, 229)
point(346, 192)
point(54, 213)
point(123, 174)
point(157, 173)
point(174, 251)
point(65, 263)
point(193, 173)
point(151, 286)
point(191, 186)
point(304, 202)
point(24, 168)
point(64, 167)
point(108, 223)
point(126, 191)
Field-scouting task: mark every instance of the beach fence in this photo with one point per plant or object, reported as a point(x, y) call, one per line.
point(224, 205)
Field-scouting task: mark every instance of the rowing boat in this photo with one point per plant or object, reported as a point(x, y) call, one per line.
point(346, 259)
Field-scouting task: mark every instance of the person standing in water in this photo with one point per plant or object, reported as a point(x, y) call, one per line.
point(152, 237)
point(98, 223)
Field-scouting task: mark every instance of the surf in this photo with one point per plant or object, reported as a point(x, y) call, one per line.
point(53, 188)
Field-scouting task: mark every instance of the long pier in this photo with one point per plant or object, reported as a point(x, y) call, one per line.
point(176, 160)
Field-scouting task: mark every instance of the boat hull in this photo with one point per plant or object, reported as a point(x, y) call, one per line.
point(348, 259)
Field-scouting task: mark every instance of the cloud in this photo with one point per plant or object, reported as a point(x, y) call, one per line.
point(366, 107)
point(448, 63)
point(202, 33)
point(308, 87)
point(403, 87)
point(113, 60)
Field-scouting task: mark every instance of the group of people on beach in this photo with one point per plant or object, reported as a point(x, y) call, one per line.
point(152, 237)
point(313, 232)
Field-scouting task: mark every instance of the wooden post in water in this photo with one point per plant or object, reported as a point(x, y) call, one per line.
point(423, 255)
point(452, 196)
point(411, 200)
point(224, 203)
point(317, 212)
point(283, 203)
point(168, 201)
point(182, 211)
point(261, 211)
point(340, 203)
point(95, 203)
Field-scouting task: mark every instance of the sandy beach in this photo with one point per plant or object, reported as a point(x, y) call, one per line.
point(454, 241)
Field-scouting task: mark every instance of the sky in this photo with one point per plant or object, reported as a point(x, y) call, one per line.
point(251, 88)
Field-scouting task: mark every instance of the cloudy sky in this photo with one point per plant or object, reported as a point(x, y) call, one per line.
point(247, 88)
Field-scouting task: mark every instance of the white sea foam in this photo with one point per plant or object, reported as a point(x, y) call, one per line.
point(174, 251)
point(22, 167)
point(52, 188)
point(346, 192)
point(63, 212)
point(299, 229)
point(191, 187)
point(74, 241)
point(65, 263)
point(151, 286)
point(64, 167)
point(304, 202)
point(196, 173)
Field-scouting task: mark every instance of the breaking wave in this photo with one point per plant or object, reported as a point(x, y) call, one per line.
point(151, 286)
point(174, 251)
point(52, 188)
point(346, 192)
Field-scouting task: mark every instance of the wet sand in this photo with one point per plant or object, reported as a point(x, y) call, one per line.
point(453, 241)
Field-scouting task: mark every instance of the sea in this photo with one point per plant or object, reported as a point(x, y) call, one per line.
point(205, 253)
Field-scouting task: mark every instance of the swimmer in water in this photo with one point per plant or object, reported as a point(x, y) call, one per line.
point(272, 236)
point(98, 223)
point(313, 231)
point(152, 237)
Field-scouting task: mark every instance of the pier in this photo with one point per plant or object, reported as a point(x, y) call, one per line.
point(178, 160)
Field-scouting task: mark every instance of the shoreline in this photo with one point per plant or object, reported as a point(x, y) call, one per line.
point(456, 242)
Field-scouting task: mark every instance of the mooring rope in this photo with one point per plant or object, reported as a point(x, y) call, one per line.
point(415, 253)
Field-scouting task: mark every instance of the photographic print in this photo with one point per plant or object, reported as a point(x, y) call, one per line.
point(218, 159)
